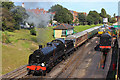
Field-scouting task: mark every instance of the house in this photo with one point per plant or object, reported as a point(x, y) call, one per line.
point(63, 30)
point(75, 14)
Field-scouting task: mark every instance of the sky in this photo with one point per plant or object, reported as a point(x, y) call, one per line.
point(111, 6)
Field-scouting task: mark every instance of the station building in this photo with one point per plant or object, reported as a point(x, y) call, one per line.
point(63, 30)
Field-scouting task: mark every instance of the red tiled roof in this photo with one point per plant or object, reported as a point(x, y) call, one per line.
point(38, 11)
point(63, 26)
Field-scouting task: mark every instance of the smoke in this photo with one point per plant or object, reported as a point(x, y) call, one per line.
point(39, 20)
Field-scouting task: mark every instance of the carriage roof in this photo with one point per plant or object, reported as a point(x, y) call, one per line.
point(79, 34)
point(76, 35)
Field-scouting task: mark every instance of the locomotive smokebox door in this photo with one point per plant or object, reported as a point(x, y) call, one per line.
point(105, 40)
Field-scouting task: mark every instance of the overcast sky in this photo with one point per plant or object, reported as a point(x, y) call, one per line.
point(111, 6)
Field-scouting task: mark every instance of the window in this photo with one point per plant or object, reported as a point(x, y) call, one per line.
point(63, 32)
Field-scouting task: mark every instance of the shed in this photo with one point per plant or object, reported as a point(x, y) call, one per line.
point(63, 30)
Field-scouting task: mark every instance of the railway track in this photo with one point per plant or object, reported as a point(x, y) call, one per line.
point(18, 73)
point(74, 61)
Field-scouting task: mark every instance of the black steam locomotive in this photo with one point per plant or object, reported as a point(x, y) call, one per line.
point(105, 41)
point(44, 59)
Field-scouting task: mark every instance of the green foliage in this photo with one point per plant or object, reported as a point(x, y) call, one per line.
point(33, 32)
point(63, 15)
point(76, 21)
point(55, 8)
point(100, 20)
point(12, 16)
point(114, 15)
point(90, 20)
point(82, 18)
point(51, 21)
point(103, 13)
point(8, 22)
point(109, 18)
point(5, 38)
point(7, 5)
point(113, 20)
point(93, 18)
point(19, 14)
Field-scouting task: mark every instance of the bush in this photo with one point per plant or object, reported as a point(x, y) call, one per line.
point(5, 38)
point(33, 32)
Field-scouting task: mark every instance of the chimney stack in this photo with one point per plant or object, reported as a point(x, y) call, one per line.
point(23, 5)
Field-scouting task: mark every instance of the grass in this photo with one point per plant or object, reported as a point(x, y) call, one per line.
point(22, 44)
point(45, 35)
point(0, 53)
point(83, 27)
point(16, 53)
point(0, 36)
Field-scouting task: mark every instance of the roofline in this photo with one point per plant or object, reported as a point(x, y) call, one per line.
point(62, 29)
point(64, 26)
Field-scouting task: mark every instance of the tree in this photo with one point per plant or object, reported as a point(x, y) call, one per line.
point(8, 22)
point(109, 18)
point(8, 5)
point(33, 32)
point(113, 20)
point(100, 20)
point(55, 8)
point(19, 14)
point(12, 16)
point(103, 13)
point(76, 21)
point(63, 15)
point(90, 20)
point(114, 15)
point(82, 18)
point(94, 17)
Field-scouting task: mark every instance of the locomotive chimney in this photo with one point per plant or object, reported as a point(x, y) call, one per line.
point(40, 46)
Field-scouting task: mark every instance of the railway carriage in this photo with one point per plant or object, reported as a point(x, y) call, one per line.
point(78, 38)
point(92, 31)
point(81, 37)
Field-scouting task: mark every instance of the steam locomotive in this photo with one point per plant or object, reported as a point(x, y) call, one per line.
point(105, 42)
point(44, 59)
